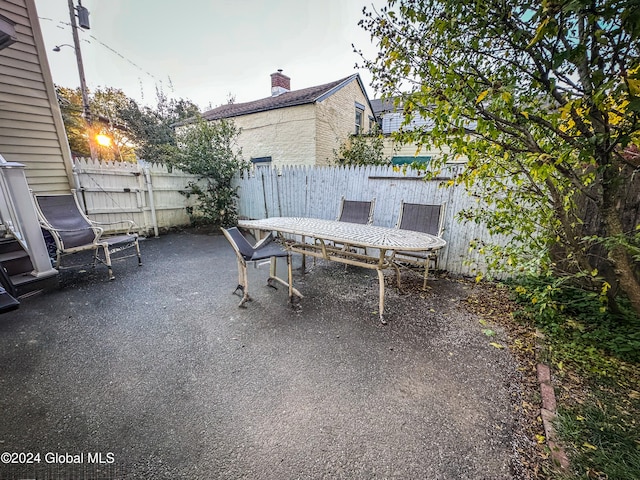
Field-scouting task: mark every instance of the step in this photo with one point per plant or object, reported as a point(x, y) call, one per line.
point(9, 245)
point(7, 302)
point(16, 261)
point(27, 285)
point(7, 256)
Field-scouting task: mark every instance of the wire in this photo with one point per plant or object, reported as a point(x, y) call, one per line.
point(67, 24)
point(125, 58)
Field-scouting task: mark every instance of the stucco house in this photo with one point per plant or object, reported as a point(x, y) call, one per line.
point(299, 127)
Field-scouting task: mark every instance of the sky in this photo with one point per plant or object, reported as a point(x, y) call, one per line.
point(207, 51)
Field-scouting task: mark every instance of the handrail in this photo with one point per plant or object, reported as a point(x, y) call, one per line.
point(8, 215)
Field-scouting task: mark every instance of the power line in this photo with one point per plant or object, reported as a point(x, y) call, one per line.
point(67, 24)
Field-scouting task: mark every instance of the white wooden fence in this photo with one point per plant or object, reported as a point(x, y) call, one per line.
point(150, 195)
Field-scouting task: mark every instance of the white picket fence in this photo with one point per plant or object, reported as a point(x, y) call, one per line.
point(150, 195)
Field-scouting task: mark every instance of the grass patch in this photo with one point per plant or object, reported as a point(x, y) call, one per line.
point(595, 357)
point(602, 436)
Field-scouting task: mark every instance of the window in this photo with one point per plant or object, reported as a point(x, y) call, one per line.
point(7, 32)
point(359, 115)
point(359, 118)
point(261, 162)
point(408, 160)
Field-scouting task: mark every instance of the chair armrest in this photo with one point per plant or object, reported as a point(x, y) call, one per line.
point(97, 231)
point(131, 224)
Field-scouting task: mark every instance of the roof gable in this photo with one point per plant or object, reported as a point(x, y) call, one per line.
point(284, 100)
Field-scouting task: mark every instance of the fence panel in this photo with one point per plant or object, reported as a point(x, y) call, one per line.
point(148, 194)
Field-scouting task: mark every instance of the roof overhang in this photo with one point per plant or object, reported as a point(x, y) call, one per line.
point(7, 32)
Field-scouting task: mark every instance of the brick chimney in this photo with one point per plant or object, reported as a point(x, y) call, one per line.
point(280, 83)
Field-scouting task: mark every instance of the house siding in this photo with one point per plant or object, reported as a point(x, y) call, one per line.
point(31, 128)
point(395, 149)
point(286, 135)
point(336, 120)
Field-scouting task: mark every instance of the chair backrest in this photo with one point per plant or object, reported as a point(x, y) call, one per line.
point(421, 218)
point(239, 243)
point(355, 211)
point(63, 215)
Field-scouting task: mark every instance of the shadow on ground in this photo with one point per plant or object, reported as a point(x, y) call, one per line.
point(161, 373)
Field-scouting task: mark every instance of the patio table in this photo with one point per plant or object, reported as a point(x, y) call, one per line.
point(325, 235)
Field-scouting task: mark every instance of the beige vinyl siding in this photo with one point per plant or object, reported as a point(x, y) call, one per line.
point(31, 129)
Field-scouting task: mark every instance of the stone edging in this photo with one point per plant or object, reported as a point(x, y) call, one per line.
point(548, 413)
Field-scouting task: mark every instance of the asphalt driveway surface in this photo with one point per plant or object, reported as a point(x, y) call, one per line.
point(159, 375)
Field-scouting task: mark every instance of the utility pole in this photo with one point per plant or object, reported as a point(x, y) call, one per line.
point(83, 82)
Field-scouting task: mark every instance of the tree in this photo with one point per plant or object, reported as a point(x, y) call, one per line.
point(544, 101)
point(105, 106)
point(128, 130)
point(154, 128)
point(209, 150)
point(70, 102)
point(362, 149)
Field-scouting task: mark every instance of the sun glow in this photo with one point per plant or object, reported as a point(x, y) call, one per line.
point(103, 140)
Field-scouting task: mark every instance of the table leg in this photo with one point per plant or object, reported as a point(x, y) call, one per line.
point(398, 281)
point(381, 306)
point(290, 277)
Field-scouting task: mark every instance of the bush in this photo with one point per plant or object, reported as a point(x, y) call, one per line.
point(579, 320)
point(209, 150)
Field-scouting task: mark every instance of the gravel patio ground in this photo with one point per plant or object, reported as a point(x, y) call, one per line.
point(163, 375)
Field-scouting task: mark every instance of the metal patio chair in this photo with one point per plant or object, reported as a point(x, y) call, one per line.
point(420, 218)
point(356, 211)
point(264, 249)
point(71, 231)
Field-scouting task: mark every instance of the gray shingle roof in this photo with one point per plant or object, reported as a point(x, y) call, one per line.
point(288, 99)
point(380, 106)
